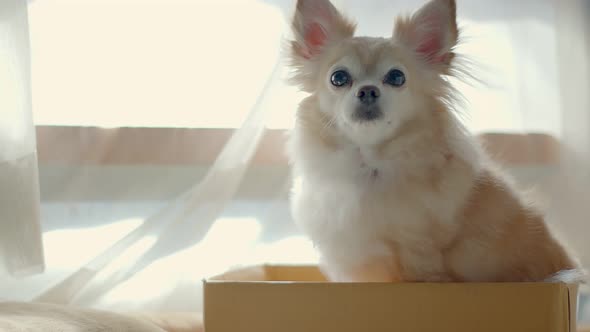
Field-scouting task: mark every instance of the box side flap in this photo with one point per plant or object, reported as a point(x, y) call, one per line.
point(300, 273)
point(296, 273)
point(251, 273)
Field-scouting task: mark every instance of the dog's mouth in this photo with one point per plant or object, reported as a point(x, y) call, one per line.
point(367, 113)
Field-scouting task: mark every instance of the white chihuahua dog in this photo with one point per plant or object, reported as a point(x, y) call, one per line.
point(390, 185)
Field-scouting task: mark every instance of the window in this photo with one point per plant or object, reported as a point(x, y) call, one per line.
point(151, 63)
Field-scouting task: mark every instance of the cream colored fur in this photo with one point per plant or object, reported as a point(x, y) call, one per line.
point(409, 196)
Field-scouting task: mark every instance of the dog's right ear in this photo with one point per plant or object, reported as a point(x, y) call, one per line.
point(316, 24)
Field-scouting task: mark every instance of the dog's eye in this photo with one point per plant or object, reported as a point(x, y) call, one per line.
point(340, 78)
point(395, 77)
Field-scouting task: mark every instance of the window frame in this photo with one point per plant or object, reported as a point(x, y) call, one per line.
point(201, 146)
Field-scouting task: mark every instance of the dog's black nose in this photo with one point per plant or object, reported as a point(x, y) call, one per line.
point(368, 94)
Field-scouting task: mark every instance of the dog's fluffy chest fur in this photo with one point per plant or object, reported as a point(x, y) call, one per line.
point(360, 166)
point(353, 226)
point(360, 209)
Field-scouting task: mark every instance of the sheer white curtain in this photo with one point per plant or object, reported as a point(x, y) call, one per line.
point(570, 188)
point(21, 250)
point(532, 55)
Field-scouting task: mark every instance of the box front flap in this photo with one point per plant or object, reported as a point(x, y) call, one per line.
point(377, 307)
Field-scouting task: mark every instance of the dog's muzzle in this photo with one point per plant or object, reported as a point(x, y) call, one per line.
point(367, 113)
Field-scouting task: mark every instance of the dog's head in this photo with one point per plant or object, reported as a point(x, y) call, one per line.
point(370, 87)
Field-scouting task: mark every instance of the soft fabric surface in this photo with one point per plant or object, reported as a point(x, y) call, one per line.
point(174, 322)
point(30, 317)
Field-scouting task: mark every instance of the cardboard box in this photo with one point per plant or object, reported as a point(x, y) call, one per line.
point(298, 299)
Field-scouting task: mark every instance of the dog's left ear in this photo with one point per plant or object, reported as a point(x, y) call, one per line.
point(431, 32)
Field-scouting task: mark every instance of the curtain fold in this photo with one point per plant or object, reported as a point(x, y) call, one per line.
point(192, 214)
point(21, 250)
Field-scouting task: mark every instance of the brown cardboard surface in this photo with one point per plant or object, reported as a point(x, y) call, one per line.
point(297, 299)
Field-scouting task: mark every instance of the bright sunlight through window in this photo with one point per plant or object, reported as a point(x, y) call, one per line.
point(203, 64)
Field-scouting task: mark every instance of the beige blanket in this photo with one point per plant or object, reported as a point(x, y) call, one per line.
point(32, 317)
